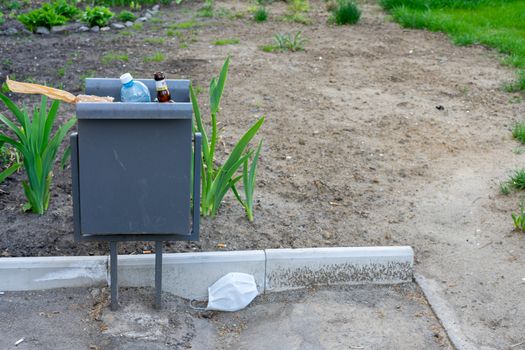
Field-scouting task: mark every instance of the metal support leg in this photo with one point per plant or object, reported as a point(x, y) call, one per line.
point(113, 274)
point(158, 275)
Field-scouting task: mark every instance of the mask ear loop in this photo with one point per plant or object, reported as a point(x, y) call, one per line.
point(199, 308)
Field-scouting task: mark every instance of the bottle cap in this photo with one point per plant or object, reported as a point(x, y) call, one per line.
point(126, 78)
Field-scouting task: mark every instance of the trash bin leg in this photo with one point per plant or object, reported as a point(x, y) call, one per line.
point(113, 255)
point(158, 275)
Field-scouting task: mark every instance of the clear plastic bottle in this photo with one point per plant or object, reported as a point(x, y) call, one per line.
point(133, 91)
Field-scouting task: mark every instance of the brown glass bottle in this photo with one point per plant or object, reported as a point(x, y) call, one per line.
point(163, 94)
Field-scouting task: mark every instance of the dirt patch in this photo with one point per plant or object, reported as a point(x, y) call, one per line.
point(355, 151)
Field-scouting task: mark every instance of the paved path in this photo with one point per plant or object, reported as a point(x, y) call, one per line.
point(378, 317)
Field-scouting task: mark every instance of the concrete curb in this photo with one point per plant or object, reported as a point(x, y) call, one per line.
point(296, 268)
point(444, 313)
point(18, 274)
point(189, 274)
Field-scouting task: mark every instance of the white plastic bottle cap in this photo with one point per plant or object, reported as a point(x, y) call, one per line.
point(126, 78)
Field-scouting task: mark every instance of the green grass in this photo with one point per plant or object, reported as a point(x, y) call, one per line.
point(345, 12)
point(260, 15)
point(155, 41)
point(504, 188)
point(269, 48)
point(111, 57)
point(222, 42)
point(184, 25)
point(137, 26)
point(295, 6)
point(518, 132)
point(125, 16)
point(497, 24)
point(517, 180)
point(207, 10)
point(297, 18)
point(61, 72)
point(156, 57)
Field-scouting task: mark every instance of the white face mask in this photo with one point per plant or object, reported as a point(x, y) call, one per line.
point(232, 292)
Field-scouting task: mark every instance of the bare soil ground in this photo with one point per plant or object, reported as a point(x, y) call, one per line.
point(355, 151)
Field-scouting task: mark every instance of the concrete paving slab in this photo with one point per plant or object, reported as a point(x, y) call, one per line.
point(343, 317)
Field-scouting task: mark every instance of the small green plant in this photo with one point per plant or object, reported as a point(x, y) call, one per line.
point(517, 181)
point(296, 6)
point(111, 57)
point(519, 219)
point(260, 15)
point(207, 10)
point(504, 188)
point(2, 20)
point(9, 161)
point(518, 84)
point(14, 5)
point(346, 12)
point(137, 25)
point(155, 41)
point(170, 32)
point(126, 16)
point(217, 179)
point(7, 62)
point(222, 42)
point(183, 25)
point(518, 150)
point(49, 15)
point(38, 148)
point(156, 57)
point(66, 9)
point(5, 88)
point(97, 16)
point(248, 181)
point(126, 33)
point(42, 17)
point(518, 132)
point(61, 72)
point(269, 48)
point(297, 18)
point(297, 10)
point(288, 42)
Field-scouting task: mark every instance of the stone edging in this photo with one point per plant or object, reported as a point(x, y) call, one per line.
point(190, 274)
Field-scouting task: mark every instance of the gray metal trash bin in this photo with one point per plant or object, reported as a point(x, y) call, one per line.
point(132, 167)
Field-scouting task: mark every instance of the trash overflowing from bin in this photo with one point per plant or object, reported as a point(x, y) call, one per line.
point(131, 91)
point(57, 94)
